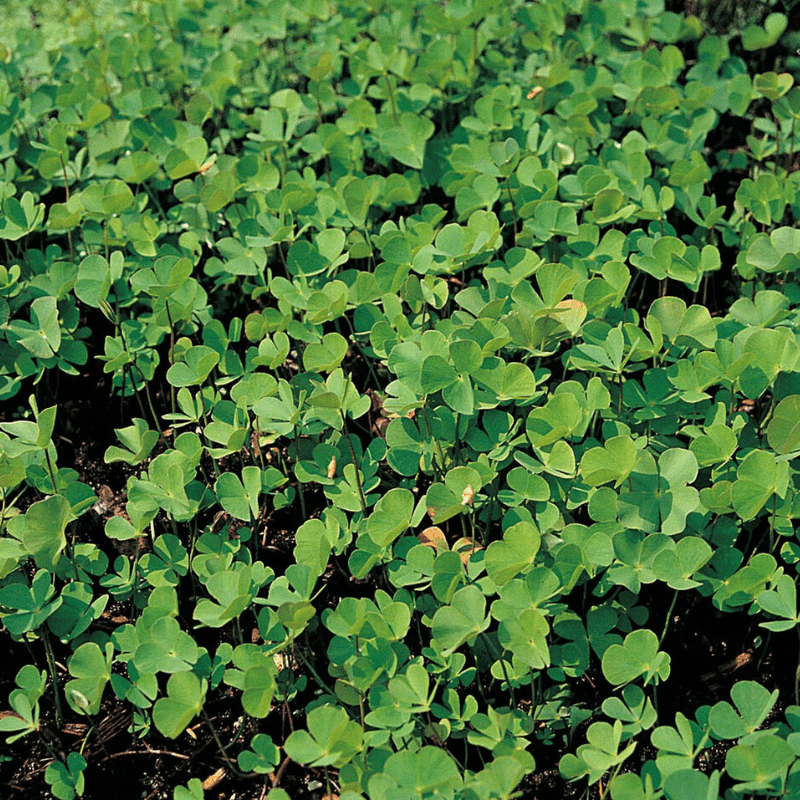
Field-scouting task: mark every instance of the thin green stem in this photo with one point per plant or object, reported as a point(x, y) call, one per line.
point(499, 656)
point(171, 355)
point(150, 403)
point(321, 683)
point(391, 97)
point(669, 617)
point(513, 206)
point(51, 470)
point(367, 360)
point(51, 665)
point(66, 192)
point(436, 442)
point(362, 499)
point(299, 482)
point(220, 745)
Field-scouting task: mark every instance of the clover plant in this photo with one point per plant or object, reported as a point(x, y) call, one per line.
point(444, 362)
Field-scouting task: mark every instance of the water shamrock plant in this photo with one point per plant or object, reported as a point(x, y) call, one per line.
point(399, 401)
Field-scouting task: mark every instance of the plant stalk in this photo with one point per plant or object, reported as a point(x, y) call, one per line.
point(51, 665)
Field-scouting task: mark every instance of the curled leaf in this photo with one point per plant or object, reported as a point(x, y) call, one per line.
point(434, 537)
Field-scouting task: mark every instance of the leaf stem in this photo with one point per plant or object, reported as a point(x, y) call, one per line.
point(436, 442)
point(51, 470)
point(66, 192)
point(221, 747)
point(669, 617)
point(321, 683)
point(299, 482)
point(51, 665)
point(391, 96)
point(361, 497)
point(513, 206)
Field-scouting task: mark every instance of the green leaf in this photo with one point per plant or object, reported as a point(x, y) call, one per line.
point(117, 197)
point(20, 217)
point(525, 636)
point(760, 765)
point(688, 784)
point(187, 159)
point(514, 555)
point(165, 648)
point(262, 757)
point(607, 204)
point(184, 701)
point(777, 252)
point(43, 529)
point(391, 517)
point(716, 446)
point(42, 337)
point(120, 529)
point(753, 703)
point(327, 355)
point(684, 327)
point(462, 620)
point(754, 37)
point(258, 687)
point(638, 655)
point(427, 773)
point(780, 601)
point(137, 167)
point(436, 374)
point(195, 368)
point(30, 606)
point(676, 566)
point(138, 441)
point(600, 754)
point(551, 218)
point(757, 479)
point(612, 462)
point(237, 498)
point(94, 279)
point(332, 738)
point(405, 138)
point(232, 591)
point(783, 431)
point(192, 791)
point(91, 669)
point(66, 780)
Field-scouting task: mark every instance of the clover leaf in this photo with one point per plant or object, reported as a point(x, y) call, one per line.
point(261, 757)
point(427, 773)
point(462, 619)
point(783, 430)
point(660, 495)
point(601, 753)
point(752, 705)
point(332, 738)
point(184, 701)
point(42, 529)
point(91, 669)
point(24, 702)
point(513, 555)
point(760, 765)
point(638, 655)
point(66, 778)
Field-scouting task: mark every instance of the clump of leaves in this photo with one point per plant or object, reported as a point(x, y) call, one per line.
point(436, 345)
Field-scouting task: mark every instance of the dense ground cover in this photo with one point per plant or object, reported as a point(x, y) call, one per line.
point(398, 400)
